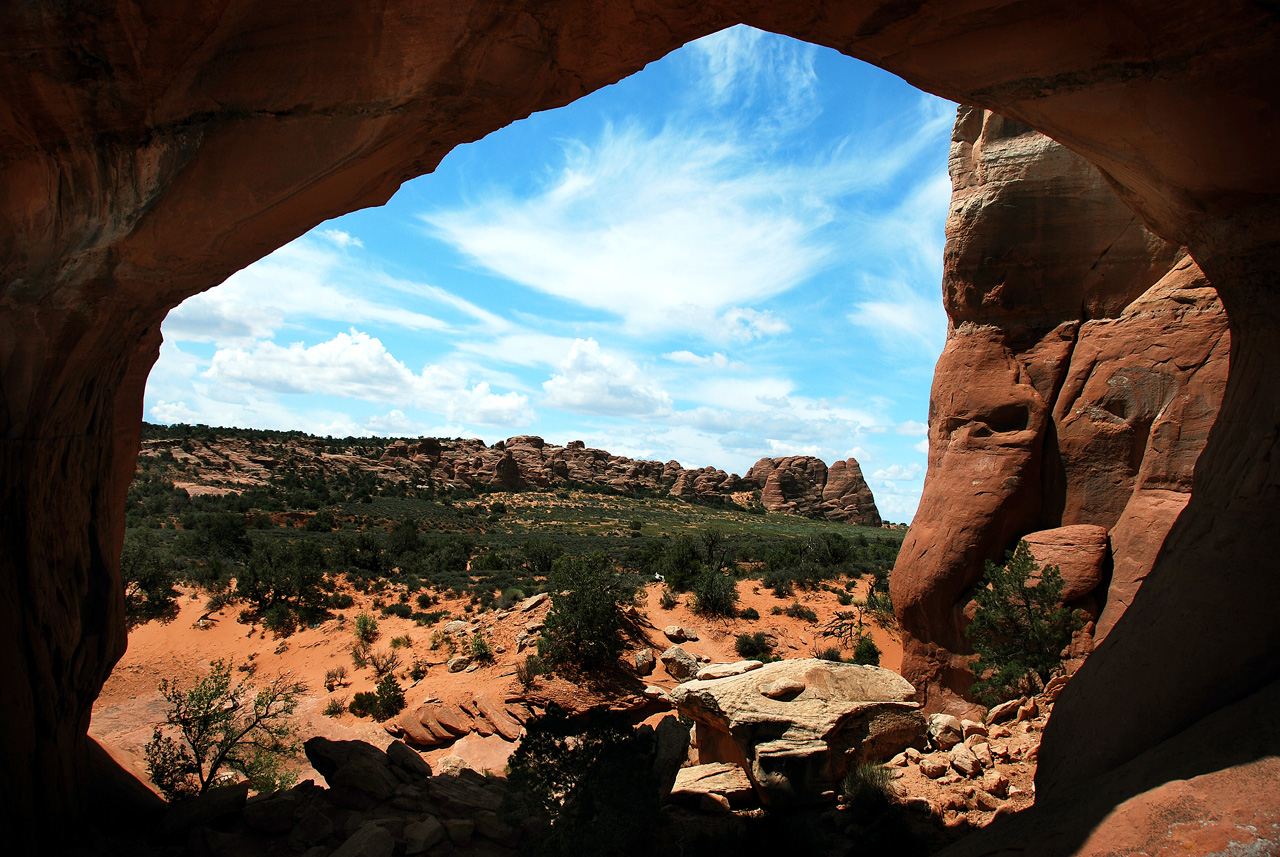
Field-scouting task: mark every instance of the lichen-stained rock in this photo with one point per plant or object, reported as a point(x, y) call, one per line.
point(794, 748)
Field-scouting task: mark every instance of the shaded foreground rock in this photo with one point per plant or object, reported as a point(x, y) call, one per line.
point(794, 748)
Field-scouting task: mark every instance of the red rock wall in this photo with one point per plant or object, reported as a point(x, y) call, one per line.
point(1084, 367)
point(149, 149)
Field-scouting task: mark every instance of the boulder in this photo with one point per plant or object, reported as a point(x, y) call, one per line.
point(678, 663)
point(359, 775)
point(408, 760)
point(422, 835)
point(996, 783)
point(459, 663)
point(370, 840)
point(670, 751)
point(795, 750)
point(945, 731)
point(934, 766)
point(674, 633)
point(715, 671)
point(645, 662)
point(964, 762)
point(1003, 712)
point(783, 688)
point(1080, 553)
point(719, 778)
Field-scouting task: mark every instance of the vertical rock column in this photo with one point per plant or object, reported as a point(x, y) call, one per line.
point(70, 422)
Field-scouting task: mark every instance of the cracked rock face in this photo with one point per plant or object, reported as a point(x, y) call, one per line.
point(795, 746)
point(1085, 365)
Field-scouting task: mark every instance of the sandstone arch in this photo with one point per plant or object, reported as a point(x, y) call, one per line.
point(149, 149)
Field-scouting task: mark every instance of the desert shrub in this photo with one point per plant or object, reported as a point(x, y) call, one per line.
point(830, 653)
point(1020, 629)
point(715, 594)
point(224, 726)
point(401, 642)
point(753, 646)
point(780, 582)
point(335, 707)
point(509, 598)
point(400, 611)
point(866, 791)
point(867, 652)
point(541, 555)
point(280, 620)
point(341, 600)
point(425, 600)
point(364, 704)
point(528, 670)
point(422, 619)
point(418, 669)
point(750, 614)
point(584, 626)
point(390, 697)
point(384, 663)
point(360, 655)
point(668, 600)
point(591, 779)
point(480, 649)
point(796, 610)
point(366, 628)
point(334, 678)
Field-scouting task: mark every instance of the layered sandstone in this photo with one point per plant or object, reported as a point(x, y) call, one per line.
point(800, 485)
point(149, 150)
point(1083, 370)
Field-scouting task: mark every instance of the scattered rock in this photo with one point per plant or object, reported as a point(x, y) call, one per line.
point(674, 633)
point(458, 626)
point(421, 835)
point(785, 688)
point(408, 760)
point(645, 662)
point(934, 766)
point(459, 663)
point(459, 830)
point(1004, 711)
point(972, 727)
point(690, 634)
point(715, 671)
point(718, 777)
point(944, 731)
point(1027, 711)
point(964, 762)
point(369, 841)
point(1054, 687)
point(679, 664)
point(983, 754)
point(996, 783)
point(534, 602)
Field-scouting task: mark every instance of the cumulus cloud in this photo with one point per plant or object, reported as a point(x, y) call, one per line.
point(592, 381)
point(922, 446)
point(911, 427)
point(899, 473)
point(356, 365)
point(341, 238)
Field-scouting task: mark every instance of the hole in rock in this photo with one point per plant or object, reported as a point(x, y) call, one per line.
point(734, 254)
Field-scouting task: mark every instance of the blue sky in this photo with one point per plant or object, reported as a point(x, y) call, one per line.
point(736, 252)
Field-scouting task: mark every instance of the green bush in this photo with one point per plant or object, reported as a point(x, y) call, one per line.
point(866, 791)
point(366, 628)
point(796, 610)
point(401, 611)
point(149, 575)
point(831, 653)
point(481, 651)
point(1020, 629)
point(715, 594)
point(867, 652)
point(584, 626)
point(401, 642)
point(753, 646)
point(751, 614)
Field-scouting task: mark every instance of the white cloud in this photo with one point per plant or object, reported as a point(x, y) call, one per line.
point(356, 365)
point(303, 279)
point(591, 381)
point(902, 319)
point(744, 324)
point(922, 446)
point(172, 412)
point(911, 427)
point(716, 360)
point(341, 238)
point(899, 473)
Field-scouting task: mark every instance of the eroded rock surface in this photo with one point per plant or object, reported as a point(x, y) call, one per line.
point(794, 747)
point(1076, 391)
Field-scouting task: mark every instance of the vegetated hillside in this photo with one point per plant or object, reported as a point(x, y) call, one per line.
point(285, 520)
point(238, 458)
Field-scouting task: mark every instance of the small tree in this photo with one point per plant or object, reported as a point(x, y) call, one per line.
point(584, 625)
point(148, 575)
point(223, 727)
point(1020, 628)
point(715, 594)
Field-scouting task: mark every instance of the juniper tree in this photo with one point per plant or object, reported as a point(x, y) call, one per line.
point(224, 726)
point(1020, 628)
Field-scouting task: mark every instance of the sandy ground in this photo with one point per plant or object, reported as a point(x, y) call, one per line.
point(130, 705)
